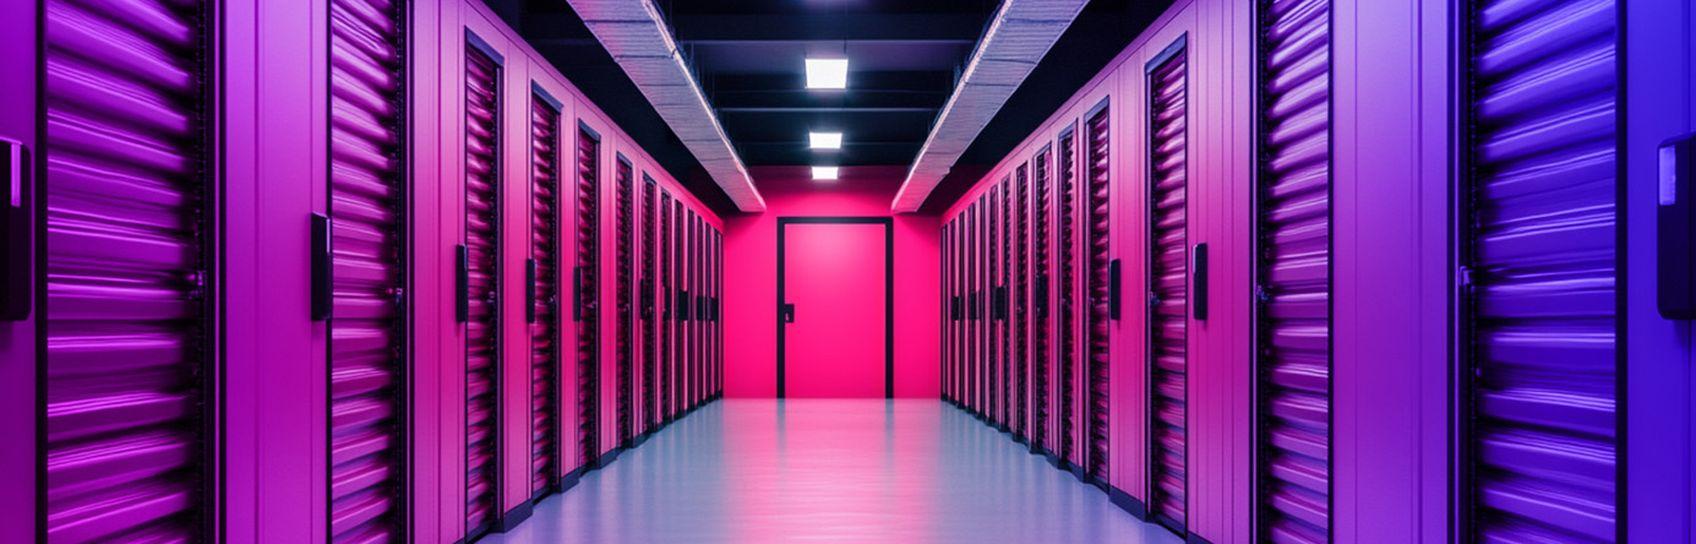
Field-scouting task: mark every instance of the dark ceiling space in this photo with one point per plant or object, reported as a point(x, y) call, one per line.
point(904, 57)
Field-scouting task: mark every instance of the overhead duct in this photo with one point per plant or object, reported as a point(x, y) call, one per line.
point(636, 36)
point(1019, 36)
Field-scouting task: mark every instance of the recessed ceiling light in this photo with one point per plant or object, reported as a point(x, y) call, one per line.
point(824, 140)
point(824, 172)
point(827, 73)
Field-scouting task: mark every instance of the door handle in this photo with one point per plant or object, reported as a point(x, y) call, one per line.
point(1199, 268)
point(14, 242)
point(462, 276)
point(321, 263)
point(787, 312)
point(1115, 294)
point(530, 290)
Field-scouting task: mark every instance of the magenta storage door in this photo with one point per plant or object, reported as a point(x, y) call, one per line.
point(651, 407)
point(1068, 315)
point(128, 365)
point(1100, 280)
point(624, 304)
point(1169, 302)
point(1019, 232)
point(833, 284)
point(367, 328)
point(998, 337)
point(1041, 291)
point(482, 289)
point(944, 236)
point(545, 336)
point(1539, 307)
point(1292, 274)
point(665, 336)
point(674, 278)
point(586, 287)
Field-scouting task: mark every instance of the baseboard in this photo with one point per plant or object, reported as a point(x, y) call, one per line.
point(1195, 539)
point(608, 457)
point(517, 515)
point(1078, 472)
point(1127, 503)
point(639, 439)
point(570, 479)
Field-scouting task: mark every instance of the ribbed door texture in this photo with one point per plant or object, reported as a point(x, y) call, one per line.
point(624, 231)
point(1168, 242)
point(545, 329)
point(1042, 379)
point(650, 341)
point(1538, 251)
point(1097, 243)
point(482, 330)
point(678, 342)
point(665, 336)
point(128, 364)
point(950, 316)
point(1292, 273)
point(586, 291)
point(974, 289)
point(367, 326)
point(1000, 267)
point(1067, 307)
point(1020, 231)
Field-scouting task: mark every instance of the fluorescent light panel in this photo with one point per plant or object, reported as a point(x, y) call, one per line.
point(825, 172)
point(824, 140)
point(827, 73)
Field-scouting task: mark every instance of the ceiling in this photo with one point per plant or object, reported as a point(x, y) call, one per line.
point(748, 55)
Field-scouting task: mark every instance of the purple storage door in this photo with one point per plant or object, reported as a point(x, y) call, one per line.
point(1538, 313)
point(974, 308)
point(980, 273)
point(624, 338)
point(686, 301)
point(1097, 244)
point(1020, 232)
point(128, 365)
point(679, 296)
point(586, 290)
point(1069, 311)
point(1292, 274)
point(651, 406)
point(998, 336)
point(367, 327)
point(1042, 416)
point(1168, 273)
point(667, 372)
point(482, 266)
point(544, 280)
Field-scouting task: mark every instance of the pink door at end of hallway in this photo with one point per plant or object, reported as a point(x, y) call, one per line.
point(835, 276)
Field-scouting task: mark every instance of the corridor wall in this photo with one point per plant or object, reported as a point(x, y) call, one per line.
point(312, 192)
point(1330, 334)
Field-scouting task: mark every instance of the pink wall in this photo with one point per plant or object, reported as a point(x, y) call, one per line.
point(750, 271)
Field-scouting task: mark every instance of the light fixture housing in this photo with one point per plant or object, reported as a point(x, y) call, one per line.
point(827, 73)
point(824, 140)
point(825, 173)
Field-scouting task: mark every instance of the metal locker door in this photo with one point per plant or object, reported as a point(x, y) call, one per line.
point(1539, 308)
point(1292, 274)
point(651, 404)
point(128, 365)
point(624, 338)
point(480, 272)
point(1042, 416)
point(667, 370)
point(586, 288)
point(1069, 311)
point(1020, 235)
point(545, 469)
point(1168, 280)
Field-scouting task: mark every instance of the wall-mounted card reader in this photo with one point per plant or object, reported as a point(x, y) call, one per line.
point(1675, 226)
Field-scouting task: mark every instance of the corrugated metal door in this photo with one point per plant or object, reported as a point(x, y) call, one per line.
point(1021, 235)
point(667, 381)
point(1097, 243)
point(1068, 312)
point(678, 345)
point(128, 364)
point(482, 330)
point(1168, 273)
point(624, 337)
point(1539, 308)
point(586, 290)
point(1041, 373)
point(980, 247)
point(544, 266)
point(650, 326)
point(974, 303)
point(1293, 273)
point(997, 327)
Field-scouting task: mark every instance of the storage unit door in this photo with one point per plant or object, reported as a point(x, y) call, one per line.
point(948, 310)
point(1042, 397)
point(128, 364)
point(667, 371)
point(650, 327)
point(1069, 311)
point(1539, 316)
point(586, 291)
point(1168, 242)
point(545, 447)
point(1292, 274)
point(482, 265)
point(997, 320)
point(624, 335)
point(1097, 204)
point(1021, 304)
point(367, 328)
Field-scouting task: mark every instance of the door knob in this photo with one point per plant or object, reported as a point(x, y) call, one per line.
point(788, 312)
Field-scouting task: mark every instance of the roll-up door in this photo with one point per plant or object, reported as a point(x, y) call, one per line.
point(996, 250)
point(367, 322)
point(1168, 280)
point(1069, 311)
point(1292, 273)
point(686, 303)
point(667, 371)
point(1096, 242)
point(680, 343)
point(624, 337)
point(1019, 229)
point(980, 280)
point(129, 366)
point(482, 290)
point(1539, 309)
point(974, 308)
point(650, 320)
point(545, 256)
point(1042, 378)
point(948, 313)
point(586, 290)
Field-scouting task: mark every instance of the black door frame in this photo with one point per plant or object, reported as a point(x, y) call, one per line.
point(888, 291)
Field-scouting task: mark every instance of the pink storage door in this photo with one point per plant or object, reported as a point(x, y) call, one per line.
point(1100, 283)
point(586, 287)
point(996, 280)
point(679, 342)
point(686, 306)
point(1070, 315)
point(1019, 231)
point(1292, 274)
point(1169, 297)
point(651, 406)
point(667, 370)
point(545, 333)
point(368, 230)
point(624, 336)
point(1041, 300)
point(976, 341)
point(950, 315)
point(481, 260)
point(128, 365)
point(1538, 313)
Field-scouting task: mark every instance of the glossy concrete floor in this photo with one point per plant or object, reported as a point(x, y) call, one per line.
point(872, 471)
